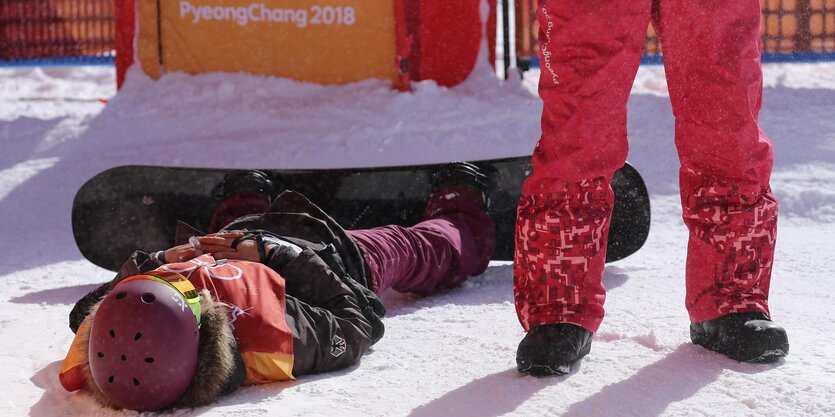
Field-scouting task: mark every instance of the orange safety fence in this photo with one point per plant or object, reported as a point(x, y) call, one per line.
point(69, 28)
point(789, 26)
point(55, 28)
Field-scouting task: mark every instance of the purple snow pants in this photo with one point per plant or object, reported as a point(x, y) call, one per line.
point(455, 242)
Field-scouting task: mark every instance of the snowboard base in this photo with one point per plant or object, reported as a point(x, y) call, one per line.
point(135, 207)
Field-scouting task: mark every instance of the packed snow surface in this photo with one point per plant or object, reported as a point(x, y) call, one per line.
point(448, 355)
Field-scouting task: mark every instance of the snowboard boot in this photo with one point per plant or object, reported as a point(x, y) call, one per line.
point(552, 349)
point(459, 180)
point(744, 337)
point(240, 193)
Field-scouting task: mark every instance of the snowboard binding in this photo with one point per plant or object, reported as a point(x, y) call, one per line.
point(240, 193)
point(463, 179)
point(464, 174)
point(249, 181)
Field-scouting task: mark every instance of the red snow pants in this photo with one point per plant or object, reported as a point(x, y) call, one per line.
point(589, 54)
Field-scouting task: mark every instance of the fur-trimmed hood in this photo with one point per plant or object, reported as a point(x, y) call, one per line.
point(216, 362)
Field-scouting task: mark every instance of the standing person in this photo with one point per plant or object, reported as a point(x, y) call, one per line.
point(590, 53)
point(270, 297)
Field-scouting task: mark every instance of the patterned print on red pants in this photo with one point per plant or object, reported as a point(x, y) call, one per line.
point(560, 254)
point(733, 232)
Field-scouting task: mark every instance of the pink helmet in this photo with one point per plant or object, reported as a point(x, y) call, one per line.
point(143, 341)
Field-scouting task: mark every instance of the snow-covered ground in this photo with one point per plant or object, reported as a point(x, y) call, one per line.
point(448, 355)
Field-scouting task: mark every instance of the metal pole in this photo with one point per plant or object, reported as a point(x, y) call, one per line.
point(510, 45)
point(803, 38)
point(505, 38)
point(159, 36)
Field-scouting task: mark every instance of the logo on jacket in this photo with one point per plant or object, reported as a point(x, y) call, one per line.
point(338, 346)
point(237, 312)
point(545, 47)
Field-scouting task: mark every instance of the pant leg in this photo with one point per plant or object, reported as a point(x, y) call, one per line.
point(712, 61)
point(438, 253)
point(589, 54)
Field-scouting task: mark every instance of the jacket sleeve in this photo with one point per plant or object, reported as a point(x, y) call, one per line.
point(330, 331)
point(138, 262)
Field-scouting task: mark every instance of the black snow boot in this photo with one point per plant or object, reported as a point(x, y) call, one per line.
point(744, 337)
point(552, 349)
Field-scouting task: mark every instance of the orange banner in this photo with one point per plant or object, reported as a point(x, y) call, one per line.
point(321, 41)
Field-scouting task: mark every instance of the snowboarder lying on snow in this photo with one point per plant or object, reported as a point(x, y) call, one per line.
point(270, 297)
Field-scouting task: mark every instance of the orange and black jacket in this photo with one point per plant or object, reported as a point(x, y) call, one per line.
point(332, 316)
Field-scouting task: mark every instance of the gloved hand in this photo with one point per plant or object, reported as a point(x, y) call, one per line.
point(180, 253)
point(252, 247)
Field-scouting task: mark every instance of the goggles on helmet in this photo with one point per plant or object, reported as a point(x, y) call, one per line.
point(176, 281)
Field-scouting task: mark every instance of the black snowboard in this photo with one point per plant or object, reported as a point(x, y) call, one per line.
point(131, 208)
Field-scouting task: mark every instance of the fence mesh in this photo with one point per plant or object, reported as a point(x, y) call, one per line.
point(70, 28)
point(55, 28)
point(788, 26)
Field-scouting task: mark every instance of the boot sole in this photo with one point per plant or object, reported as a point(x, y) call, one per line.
point(767, 356)
point(543, 370)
